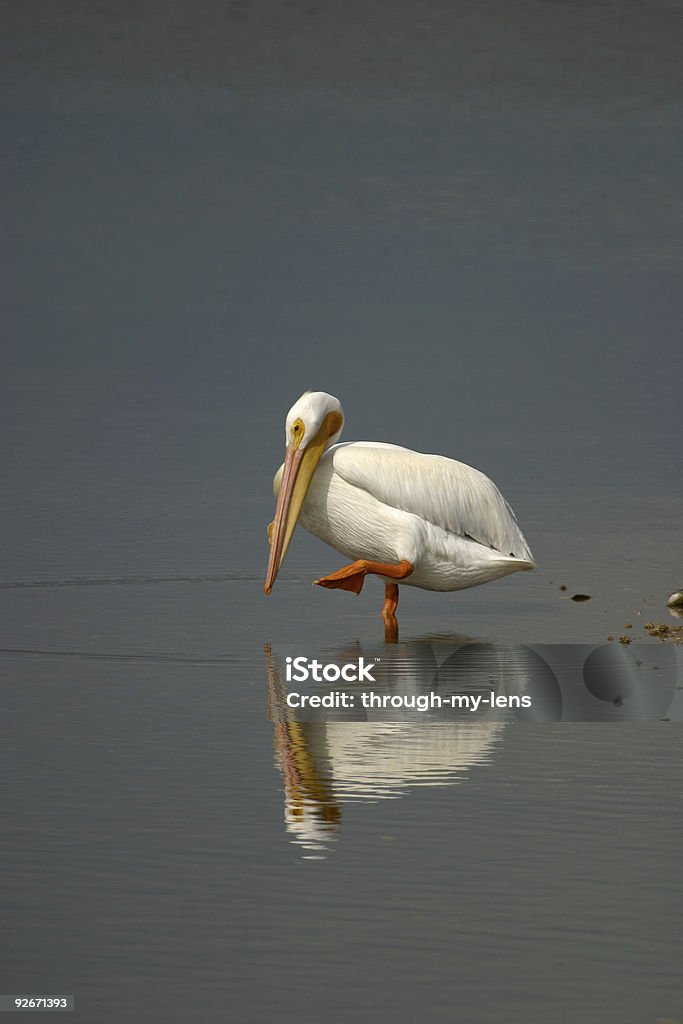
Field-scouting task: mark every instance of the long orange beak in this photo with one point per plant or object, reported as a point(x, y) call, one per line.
point(285, 515)
point(300, 465)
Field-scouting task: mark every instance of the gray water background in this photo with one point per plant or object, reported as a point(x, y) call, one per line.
point(466, 223)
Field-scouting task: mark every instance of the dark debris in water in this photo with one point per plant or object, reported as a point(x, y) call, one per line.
point(664, 631)
point(580, 597)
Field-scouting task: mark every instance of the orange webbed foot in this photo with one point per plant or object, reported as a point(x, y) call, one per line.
point(353, 582)
point(351, 577)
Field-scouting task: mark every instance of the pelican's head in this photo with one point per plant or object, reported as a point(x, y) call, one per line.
point(313, 423)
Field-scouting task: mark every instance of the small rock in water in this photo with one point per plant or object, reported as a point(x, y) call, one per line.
point(563, 587)
point(676, 600)
point(581, 597)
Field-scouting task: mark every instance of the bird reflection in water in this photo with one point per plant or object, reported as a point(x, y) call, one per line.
point(312, 810)
point(369, 755)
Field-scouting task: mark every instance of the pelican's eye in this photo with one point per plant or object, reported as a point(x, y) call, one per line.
point(297, 432)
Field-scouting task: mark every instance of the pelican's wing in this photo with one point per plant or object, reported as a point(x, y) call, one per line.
point(448, 494)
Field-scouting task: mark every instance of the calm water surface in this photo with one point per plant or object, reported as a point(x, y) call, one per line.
point(472, 236)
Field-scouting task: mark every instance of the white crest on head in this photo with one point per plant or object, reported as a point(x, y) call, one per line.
point(311, 409)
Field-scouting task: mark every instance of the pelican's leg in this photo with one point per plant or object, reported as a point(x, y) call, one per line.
point(352, 577)
point(390, 601)
point(389, 612)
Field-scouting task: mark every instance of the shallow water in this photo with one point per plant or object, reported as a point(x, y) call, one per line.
point(481, 257)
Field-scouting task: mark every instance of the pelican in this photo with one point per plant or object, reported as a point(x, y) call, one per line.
point(422, 520)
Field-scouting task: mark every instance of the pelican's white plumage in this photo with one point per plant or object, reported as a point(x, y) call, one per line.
point(387, 504)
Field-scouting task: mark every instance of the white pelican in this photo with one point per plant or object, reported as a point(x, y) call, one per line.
point(425, 520)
